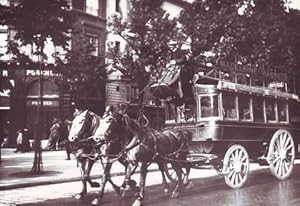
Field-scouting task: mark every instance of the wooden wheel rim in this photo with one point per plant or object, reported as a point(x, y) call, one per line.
point(236, 166)
point(170, 173)
point(281, 154)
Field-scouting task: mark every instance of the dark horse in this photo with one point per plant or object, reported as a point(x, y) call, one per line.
point(149, 146)
point(84, 126)
point(112, 149)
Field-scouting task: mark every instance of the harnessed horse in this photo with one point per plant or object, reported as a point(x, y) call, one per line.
point(112, 148)
point(84, 126)
point(149, 146)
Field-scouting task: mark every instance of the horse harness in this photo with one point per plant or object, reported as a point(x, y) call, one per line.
point(156, 152)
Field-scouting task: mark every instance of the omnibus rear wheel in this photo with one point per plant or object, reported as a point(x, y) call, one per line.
point(281, 154)
point(236, 166)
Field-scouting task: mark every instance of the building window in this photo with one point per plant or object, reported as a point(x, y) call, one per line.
point(92, 7)
point(229, 106)
point(131, 93)
point(118, 9)
point(94, 42)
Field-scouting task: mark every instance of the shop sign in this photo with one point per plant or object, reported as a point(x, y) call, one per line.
point(256, 70)
point(47, 103)
point(33, 73)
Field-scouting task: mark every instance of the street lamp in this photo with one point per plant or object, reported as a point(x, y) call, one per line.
point(37, 164)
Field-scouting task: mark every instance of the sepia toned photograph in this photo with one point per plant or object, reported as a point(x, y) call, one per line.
point(149, 102)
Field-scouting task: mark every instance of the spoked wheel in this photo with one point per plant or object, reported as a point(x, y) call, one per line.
point(171, 173)
point(281, 154)
point(236, 166)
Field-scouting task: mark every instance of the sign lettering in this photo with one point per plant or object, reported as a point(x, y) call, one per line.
point(256, 70)
point(49, 103)
point(32, 72)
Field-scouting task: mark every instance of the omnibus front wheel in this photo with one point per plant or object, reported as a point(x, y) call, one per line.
point(236, 166)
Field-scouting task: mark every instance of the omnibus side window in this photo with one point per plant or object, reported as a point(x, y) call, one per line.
point(209, 106)
point(229, 106)
point(270, 110)
point(258, 111)
point(244, 107)
point(282, 111)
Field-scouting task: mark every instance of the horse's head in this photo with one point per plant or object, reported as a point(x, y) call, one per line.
point(116, 127)
point(81, 126)
point(109, 128)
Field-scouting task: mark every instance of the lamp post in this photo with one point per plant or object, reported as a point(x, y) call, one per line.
point(37, 164)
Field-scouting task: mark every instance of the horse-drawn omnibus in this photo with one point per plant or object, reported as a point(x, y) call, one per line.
point(237, 118)
point(220, 118)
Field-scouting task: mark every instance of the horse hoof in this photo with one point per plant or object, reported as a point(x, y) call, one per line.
point(95, 184)
point(124, 191)
point(189, 185)
point(137, 203)
point(175, 195)
point(166, 190)
point(96, 201)
point(79, 196)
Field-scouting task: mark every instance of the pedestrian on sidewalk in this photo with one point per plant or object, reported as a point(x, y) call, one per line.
point(25, 141)
point(63, 137)
point(19, 141)
point(54, 134)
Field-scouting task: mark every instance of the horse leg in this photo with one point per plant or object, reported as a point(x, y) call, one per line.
point(128, 182)
point(83, 180)
point(178, 187)
point(188, 184)
point(139, 200)
point(132, 183)
point(105, 178)
point(164, 180)
point(89, 166)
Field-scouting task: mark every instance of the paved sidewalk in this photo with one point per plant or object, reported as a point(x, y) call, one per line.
point(15, 169)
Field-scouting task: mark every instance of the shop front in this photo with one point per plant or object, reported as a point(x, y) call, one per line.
point(39, 117)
